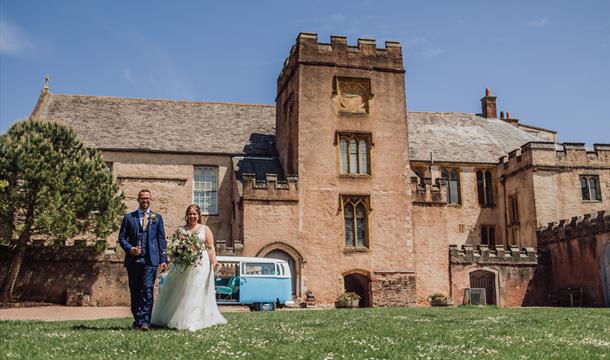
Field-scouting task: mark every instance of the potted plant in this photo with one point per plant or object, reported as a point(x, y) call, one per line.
point(439, 299)
point(347, 300)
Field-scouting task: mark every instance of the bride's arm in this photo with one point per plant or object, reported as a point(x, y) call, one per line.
point(209, 242)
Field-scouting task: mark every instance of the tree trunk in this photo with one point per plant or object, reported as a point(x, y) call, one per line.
point(13, 272)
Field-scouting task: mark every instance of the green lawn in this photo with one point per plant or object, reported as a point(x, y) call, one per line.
point(381, 333)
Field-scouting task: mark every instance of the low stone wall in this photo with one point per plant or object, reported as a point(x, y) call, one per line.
point(519, 277)
point(73, 275)
point(393, 288)
point(575, 248)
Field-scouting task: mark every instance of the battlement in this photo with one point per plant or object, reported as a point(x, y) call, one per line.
point(427, 193)
point(270, 189)
point(551, 154)
point(366, 55)
point(564, 230)
point(482, 254)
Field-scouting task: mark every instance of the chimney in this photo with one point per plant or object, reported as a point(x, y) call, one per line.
point(489, 105)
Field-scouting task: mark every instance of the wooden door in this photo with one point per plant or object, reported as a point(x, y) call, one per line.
point(486, 280)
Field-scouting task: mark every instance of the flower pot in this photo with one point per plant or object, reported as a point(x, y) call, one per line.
point(347, 304)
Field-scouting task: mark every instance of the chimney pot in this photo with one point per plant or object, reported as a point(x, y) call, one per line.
point(508, 115)
point(488, 103)
point(501, 114)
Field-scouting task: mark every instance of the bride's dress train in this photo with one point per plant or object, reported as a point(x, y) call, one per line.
point(187, 299)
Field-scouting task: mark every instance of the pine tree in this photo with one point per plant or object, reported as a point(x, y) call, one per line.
point(52, 188)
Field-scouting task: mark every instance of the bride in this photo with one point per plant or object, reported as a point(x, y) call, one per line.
point(187, 300)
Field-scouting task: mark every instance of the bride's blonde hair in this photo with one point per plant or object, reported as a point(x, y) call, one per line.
point(197, 209)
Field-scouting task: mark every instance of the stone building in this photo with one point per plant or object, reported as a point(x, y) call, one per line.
point(340, 180)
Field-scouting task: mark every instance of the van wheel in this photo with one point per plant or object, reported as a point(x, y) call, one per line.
point(265, 307)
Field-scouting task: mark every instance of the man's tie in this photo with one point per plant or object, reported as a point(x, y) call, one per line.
point(144, 221)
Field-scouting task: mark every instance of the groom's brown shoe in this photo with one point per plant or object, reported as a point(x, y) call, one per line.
point(144, 327)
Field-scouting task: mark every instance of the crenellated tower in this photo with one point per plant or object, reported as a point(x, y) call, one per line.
point(341, 126)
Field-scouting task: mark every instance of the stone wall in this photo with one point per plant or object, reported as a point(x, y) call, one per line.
point(463, 221)
point(73, 275)
point(519, 278)
point(576, 248)
point(393, 288)
point(310, 74)
point(430, 241)
point(547, 178)
point(170, 179)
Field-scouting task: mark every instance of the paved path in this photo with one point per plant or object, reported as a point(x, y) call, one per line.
point(58, 313)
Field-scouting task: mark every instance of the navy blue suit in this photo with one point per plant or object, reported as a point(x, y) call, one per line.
point(142, 269)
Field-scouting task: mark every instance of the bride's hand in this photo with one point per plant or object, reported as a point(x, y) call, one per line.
point(215, 266)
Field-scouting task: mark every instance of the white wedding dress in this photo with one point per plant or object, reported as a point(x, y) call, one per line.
point(187, 299)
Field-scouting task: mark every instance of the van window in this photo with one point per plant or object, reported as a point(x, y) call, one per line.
point(259, 269)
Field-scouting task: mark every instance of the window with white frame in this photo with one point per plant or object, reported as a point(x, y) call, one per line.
point(205, 188)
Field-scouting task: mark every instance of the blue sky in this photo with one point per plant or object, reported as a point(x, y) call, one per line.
point(548, 62)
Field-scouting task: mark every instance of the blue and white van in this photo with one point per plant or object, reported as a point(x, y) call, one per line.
point(260, 283)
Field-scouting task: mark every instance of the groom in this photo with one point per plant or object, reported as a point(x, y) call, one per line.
point(143, 238)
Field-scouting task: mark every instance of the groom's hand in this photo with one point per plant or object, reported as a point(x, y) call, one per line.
point(135, 251)
point(163, 267)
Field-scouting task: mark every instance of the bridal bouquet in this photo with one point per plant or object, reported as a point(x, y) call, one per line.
point(185, 248)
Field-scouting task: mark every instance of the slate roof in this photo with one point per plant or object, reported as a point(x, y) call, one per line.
point(234, 129)
point(114, 123)
point(462, 137)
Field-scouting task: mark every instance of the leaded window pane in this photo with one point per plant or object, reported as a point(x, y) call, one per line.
point(205, 182)
point(489, 192)
point(453, 186)
point(362, 159)
point(361, 225)
point(353, 157)
point(492, 236)
point(593, 188)
point(480, 188)
point(343, 156)
point(584, 187)
point(484, 239)
point(348, 213)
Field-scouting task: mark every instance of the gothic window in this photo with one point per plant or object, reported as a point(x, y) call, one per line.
point(485, 189)
point(355, 219)
point(354, 154)
point(205, 187)
point(513, 210)
point(589, 186)
point(354, 94)
point(452, 180)
point(488, 235)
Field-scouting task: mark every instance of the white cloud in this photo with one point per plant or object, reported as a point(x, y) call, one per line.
point(432, 52)
point(538, 22)
point(13, 40)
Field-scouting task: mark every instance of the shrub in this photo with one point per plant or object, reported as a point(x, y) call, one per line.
point(439, 299)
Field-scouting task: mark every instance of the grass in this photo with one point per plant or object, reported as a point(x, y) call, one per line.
point(380, 333)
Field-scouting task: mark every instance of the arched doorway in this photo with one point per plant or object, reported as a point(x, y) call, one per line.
point(361, 285)
point(605, 265)
point(282, 255)
point(487, 280)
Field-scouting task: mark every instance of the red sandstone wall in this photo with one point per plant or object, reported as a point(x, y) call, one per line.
point(576, 264)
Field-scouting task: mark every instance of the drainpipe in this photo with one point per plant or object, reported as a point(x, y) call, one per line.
point(503, 181)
